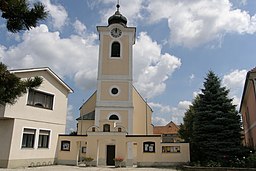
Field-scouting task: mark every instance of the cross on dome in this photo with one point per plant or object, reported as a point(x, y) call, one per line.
point(117, 18)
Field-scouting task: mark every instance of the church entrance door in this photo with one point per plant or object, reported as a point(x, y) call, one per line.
point(111, 150)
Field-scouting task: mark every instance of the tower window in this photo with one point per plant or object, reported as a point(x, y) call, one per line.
point(106, 128)
point(113, 117)
point(115, 49)
point(114, 91)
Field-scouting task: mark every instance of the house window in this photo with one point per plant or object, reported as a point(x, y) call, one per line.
point(170, 149)
point(65, 145)
point(149, 147)
point(44, 137)
point(113, 117)
point(40, 99)
point(28, 138)
point(119, 129)
point(115, 49)
point(106, 128)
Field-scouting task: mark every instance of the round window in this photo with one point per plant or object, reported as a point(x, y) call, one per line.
point(114, 91)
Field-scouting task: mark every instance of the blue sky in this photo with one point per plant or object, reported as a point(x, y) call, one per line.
point(177, 43)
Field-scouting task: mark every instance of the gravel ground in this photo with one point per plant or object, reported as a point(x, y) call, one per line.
point(76, 168)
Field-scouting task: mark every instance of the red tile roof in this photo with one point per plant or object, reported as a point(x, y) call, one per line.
point(170, 128)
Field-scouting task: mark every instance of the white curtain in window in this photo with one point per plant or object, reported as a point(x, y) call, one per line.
point(39, 99)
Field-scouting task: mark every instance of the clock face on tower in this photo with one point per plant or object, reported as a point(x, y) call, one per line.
point(116, 32)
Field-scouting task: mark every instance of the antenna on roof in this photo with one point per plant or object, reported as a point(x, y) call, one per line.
point(117, 5)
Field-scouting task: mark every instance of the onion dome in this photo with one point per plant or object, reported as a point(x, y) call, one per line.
point(117, 18)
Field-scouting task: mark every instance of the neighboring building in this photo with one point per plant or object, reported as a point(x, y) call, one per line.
point(115, 122)
point(248, 109)
point(169, 132)
point(29, 129)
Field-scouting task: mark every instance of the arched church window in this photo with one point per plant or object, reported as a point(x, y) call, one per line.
point(115, 49)
point(113, 117)
point(106, 128)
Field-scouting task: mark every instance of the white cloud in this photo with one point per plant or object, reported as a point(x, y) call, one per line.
point(195, 93)
point(2, 51)
point(70, 120)
point(160, 121)
point(192, 77)
point(79, 27)
point(163, 114)
point(72, 56)
point(235, 82)
point(76, 57)
point(193, 23)
point(184, 105)
point(151, 67)
point(57, 12)
point(130, 9)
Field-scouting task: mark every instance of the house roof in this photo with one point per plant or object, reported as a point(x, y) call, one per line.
point(246, 85)
point(170, 128)
point(47, 69)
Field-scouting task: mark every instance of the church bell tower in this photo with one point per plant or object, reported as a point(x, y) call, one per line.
point(114, 103)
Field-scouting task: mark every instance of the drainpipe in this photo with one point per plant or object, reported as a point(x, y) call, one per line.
point(146, 117)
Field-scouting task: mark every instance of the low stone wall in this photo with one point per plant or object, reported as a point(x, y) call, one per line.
point(190, 168)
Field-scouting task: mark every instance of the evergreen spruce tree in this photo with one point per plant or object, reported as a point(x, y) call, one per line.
point(217, 124)
point(186, 129)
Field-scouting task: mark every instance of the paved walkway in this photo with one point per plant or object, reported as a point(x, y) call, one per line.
point(75, 168)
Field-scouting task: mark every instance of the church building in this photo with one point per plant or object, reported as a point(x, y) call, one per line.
point(115, 122)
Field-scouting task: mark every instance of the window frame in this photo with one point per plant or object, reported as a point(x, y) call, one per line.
point(28, 132)
point(149, 145)
point(48, 137)
point(113, 49)
point(170, 149)
point(104, 128)
point(113, 119)
point(48, 99)
point(114, 87)
point(67, 148)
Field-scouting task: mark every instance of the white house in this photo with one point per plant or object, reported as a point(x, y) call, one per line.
point(29, 129)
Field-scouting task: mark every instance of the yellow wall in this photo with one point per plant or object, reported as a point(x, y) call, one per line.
point(96, 144)
point(140, 125)
point(83, 126)
point(115, 66)
point(123, 119)
point(89, 105)
point(106, 87)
